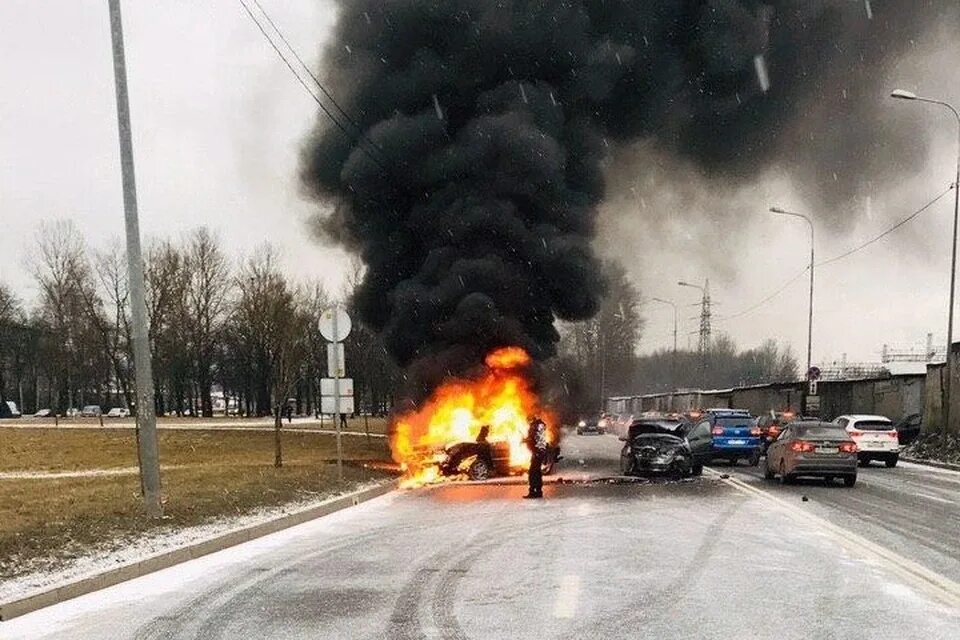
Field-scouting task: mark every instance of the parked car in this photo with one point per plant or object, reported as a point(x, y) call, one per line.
point(908, 428)
point(72, 412)
point(91, 411)
point(816, 449)
point(733, 434)
point(876, 438)
point(43, 413)
point(118, 412)
point(591, 426)
point(9, 409)
point(659, 446)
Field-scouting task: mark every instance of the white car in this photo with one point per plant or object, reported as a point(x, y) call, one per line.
point(118, 412)
point(876, 438)
point(43, 413)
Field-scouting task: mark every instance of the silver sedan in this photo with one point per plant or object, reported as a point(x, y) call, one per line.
point(816, 449)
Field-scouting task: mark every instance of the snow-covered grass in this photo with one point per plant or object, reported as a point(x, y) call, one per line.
point(65, 493)
point(930, 446)
point(41, 574)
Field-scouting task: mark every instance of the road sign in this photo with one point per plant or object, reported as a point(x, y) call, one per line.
point(331, 386)
point(813, 405)
point(342, 324)
point(329, 406)
point(814, 373)
point(336, 364)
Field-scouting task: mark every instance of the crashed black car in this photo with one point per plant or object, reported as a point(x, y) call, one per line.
point(481, 460)
point(658, 446)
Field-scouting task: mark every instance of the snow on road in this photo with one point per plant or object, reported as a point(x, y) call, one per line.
point(661, 560)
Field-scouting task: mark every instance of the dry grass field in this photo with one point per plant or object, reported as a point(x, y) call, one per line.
point(206, 475)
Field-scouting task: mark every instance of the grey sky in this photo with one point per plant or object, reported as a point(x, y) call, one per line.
point(218, 123)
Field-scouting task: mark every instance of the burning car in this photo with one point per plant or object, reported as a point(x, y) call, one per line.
point(658, 446)
point(483, 460)
point(474, 427)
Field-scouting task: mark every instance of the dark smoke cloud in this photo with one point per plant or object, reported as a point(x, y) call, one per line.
point(491, 121)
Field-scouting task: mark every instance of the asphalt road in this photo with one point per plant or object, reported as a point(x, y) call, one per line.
point(705, 558)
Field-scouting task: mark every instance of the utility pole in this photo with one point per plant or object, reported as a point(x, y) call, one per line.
point(900, 94)
point(146, 416)
point(703, 346)
point(811, 268)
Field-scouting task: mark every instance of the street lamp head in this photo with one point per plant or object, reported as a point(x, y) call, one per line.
point(777, 210)
point(684, 284)
point(902, 94)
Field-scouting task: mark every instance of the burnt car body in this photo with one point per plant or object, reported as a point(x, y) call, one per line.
point(660, 446)
point(483, 460)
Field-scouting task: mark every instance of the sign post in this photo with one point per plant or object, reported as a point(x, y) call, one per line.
point(335, 327)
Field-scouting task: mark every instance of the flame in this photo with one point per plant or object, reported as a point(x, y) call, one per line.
point(501, 398)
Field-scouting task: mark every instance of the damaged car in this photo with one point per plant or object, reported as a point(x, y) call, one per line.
point(481, 459)
point(659, 446)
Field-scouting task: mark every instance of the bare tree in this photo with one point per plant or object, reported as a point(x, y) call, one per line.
point(265, 327)
point(206, 298)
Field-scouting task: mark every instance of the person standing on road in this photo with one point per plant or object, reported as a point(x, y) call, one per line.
point(537, 443)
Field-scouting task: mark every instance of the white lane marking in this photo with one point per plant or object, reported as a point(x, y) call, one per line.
point(940, 587)
point(934, 498)
point(566, 604)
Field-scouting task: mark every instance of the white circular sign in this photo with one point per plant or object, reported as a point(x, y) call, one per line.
point(343, 324)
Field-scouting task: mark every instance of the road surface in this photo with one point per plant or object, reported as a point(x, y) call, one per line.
point(706, 558)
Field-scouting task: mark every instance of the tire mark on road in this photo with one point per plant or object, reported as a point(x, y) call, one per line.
point(660, 602)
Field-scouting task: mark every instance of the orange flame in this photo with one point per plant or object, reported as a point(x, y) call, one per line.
point(501, 398)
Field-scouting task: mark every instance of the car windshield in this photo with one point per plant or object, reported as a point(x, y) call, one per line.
point(873, 425)
point(734, 421)
point(822, 432)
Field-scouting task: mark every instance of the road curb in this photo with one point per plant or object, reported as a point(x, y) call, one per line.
point(82, 586)
point(932, 463)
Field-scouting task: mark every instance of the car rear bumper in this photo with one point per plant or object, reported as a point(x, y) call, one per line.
point(748, 446)
point(824, 467)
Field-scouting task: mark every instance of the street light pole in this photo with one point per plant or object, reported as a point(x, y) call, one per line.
point(146, 416)
point(675, 324)
point(900, 94)
point(812, 262)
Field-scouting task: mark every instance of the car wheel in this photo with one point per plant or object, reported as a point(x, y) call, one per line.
point(579, 432)
point(626, 464)
point(828, 480)
point(755, 458)
point(733, 462)
point(784, 477)
point(849, 481)
point(479, 470)
point(864, 461)
point(768, 473)
point(891, 462)
point(696, 469)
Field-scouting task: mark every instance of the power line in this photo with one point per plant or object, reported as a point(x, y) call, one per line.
point(304, 84)
point(290, 47)
point(768, 298)
point(888, 231)
point(843, 255)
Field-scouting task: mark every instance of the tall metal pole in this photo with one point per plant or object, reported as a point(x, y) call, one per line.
point(146, 416)
point(812, 265)
point(675, 321)
point(948, 366)
point(336, 390)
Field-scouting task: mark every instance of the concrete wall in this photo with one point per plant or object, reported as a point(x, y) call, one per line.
point(894, 397)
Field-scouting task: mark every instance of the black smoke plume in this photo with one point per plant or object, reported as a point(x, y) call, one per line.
point(468, 174)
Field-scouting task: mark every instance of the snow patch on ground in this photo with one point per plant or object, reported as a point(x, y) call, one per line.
point(118, 552)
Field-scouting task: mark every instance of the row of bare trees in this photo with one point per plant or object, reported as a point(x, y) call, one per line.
point(225, 336)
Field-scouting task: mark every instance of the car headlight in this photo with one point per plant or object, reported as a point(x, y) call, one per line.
point(582, 423)
point(602, 423)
